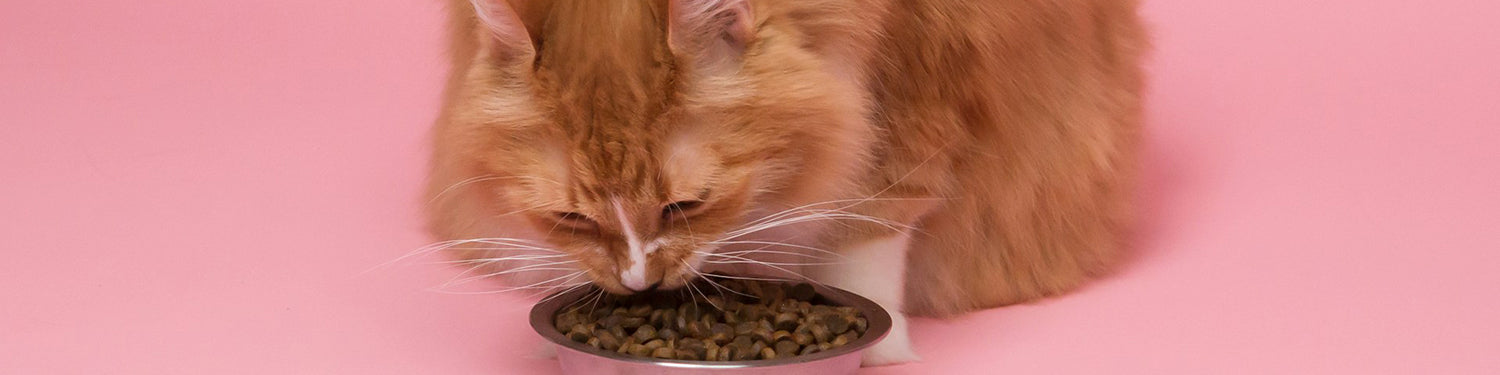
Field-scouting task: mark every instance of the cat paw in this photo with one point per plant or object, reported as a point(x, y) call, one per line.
point(895, 349)
point(890, 352)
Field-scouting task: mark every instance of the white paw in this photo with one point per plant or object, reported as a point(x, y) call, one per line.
point(889, 352)
point(895, 349)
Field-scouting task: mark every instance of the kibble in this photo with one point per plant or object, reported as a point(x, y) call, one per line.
point(780, 321)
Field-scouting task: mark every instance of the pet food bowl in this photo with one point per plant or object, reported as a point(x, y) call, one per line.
point(581, 359)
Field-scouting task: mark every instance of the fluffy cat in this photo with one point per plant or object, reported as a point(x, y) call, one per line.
point(936, 156)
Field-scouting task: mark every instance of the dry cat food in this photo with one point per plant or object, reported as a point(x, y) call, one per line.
point(750, 320)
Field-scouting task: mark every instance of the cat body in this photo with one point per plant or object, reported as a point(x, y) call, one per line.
point(936, 156)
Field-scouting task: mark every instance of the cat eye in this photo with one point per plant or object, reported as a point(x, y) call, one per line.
point(680, 209)
point(574, 219)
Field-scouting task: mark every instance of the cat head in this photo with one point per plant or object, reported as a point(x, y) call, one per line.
point(634, 136)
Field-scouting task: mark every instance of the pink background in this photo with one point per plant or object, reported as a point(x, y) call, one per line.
point(194, 187)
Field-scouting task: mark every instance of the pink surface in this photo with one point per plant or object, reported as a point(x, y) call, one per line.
point(195, 187)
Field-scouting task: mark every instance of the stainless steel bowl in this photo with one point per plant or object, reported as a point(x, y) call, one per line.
point(581, 359)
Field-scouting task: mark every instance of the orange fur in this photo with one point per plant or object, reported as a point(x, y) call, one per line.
point(1003, 130)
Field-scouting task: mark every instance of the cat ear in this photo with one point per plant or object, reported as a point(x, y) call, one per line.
point(717, 28)
point(505, 26)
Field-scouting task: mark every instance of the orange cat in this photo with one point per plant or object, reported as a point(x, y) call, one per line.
point(936, 156)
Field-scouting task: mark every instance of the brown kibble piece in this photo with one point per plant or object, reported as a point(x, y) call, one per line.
point(579, 334)
point(668, 334)
point(640, 351)
point(607, 340)
point(645, 333)
point(688, 355)
point(696, 329)
point(836, 323)
point(597, 314)
point(767, 353)
point(726, 353)
point(770, 295)
point(720, 333)
point(810, 349)
point(627, 345)
point(787, 306)
point(632, 322)
point(820, 333)
point(744, 354)
point(696, 346)
point(762, 334)
point(801, 292)
point(839, 341)
point(743, 341)
point(786, 321)
point(689, 311)
point(567, 321)
point(668, 317)
point(780, 335)
point(802, 338)
point(664, 353)
point(847, 337)
point(744, 328)
point(786, 348)
point(640, 311)
point(610, 321)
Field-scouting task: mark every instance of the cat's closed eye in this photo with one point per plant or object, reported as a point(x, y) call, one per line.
point(681, 210)
point(574, 220)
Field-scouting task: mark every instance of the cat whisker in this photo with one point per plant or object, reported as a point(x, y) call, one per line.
point(594, 304)
point(736, 258)
point(564, 291)
point(734, 277)
point(444, 245)
point(778, 268)
point(514, 243)
point(526, 268)
point(700, 275)
point(482, 178)
point(507, 290)
point(579, 303)
point(715, 284)
point(536, 285)
point(503, 244)
point(771, 243)
point(807, 213)
point(767, 263)
point(857, 201)
point(503, 259)
point(543, 204)
point(459, 184)
point(819, 216)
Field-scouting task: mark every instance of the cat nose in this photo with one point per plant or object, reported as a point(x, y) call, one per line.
point(642, 287)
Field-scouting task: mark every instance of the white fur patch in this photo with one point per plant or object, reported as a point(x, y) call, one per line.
point(876, 269)
point(634, 275)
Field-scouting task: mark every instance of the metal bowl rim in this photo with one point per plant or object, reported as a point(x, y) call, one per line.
point(879, 326)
